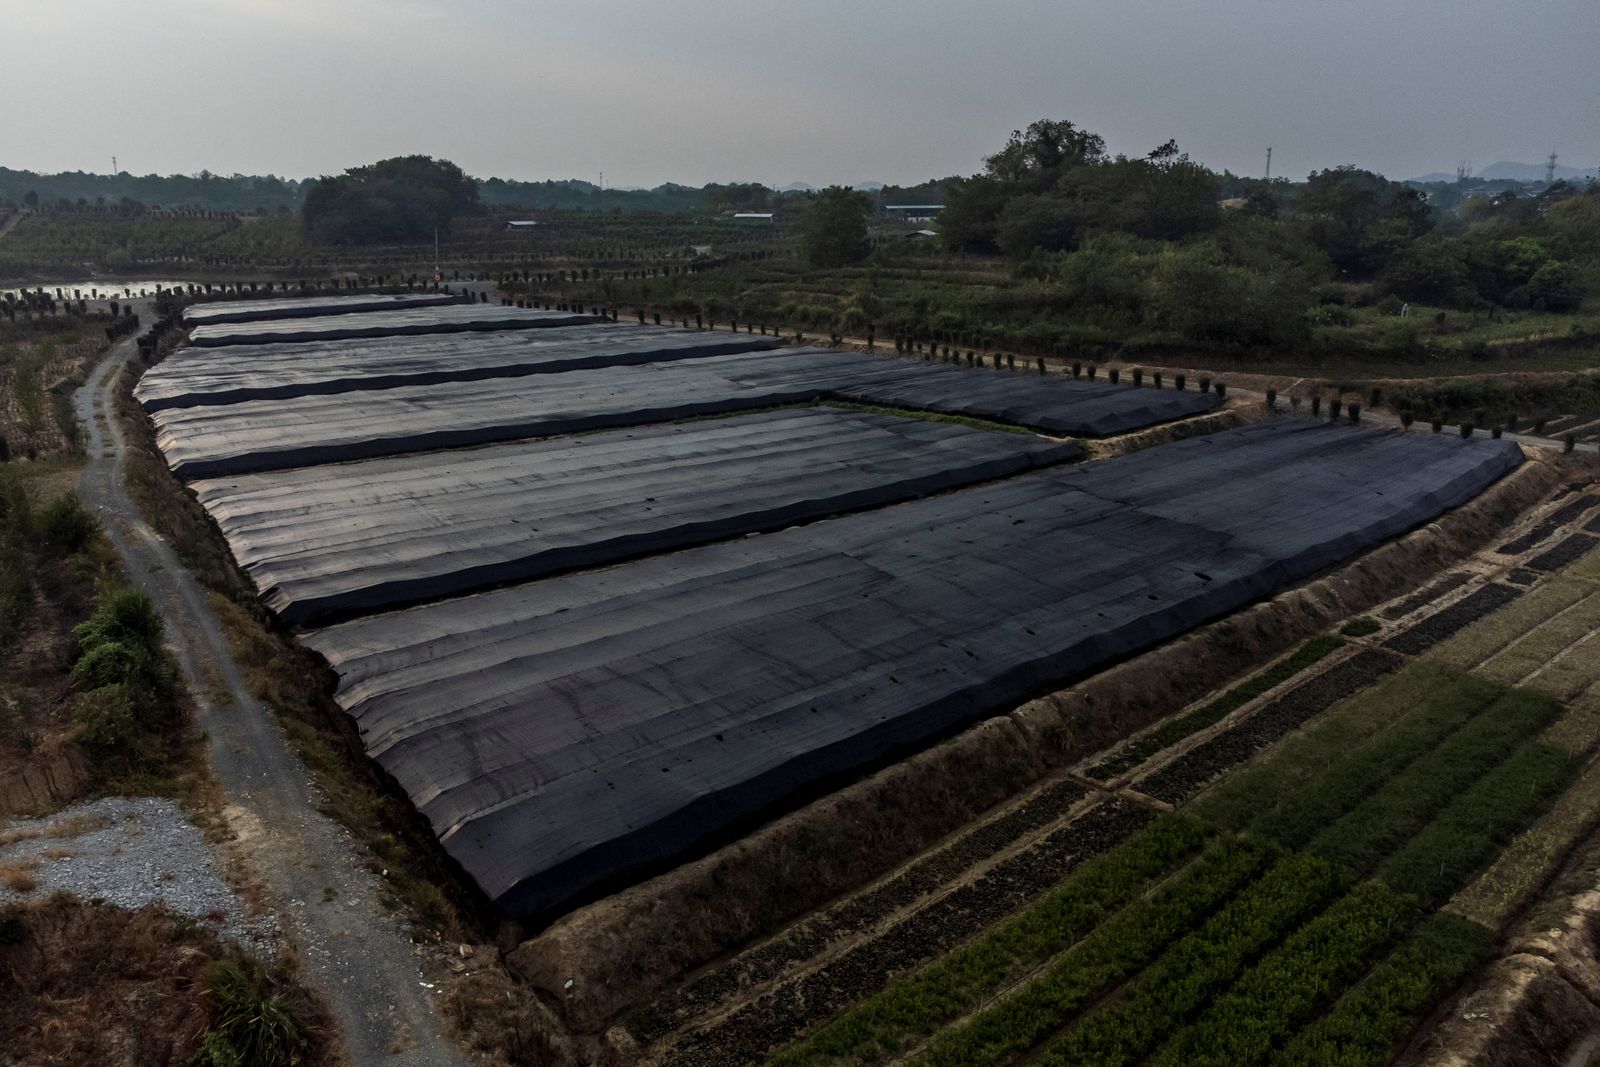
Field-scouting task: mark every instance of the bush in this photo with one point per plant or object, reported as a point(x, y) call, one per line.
point(1406, 419)
point(251, 1025)
point(1355, 413)
point(1335, 408)
point(1316, 405)
point(1113, 375)
point(1222, 389)
point(67, 525)
point(1467, 429)
point(1138, 376)
point(1438, 424)
point(1181, 382)
point(1205, 385)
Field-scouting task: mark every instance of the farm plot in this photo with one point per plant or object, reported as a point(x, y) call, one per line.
point(227, 375)
point(354, 537)
point(477, 318)
point(636, 711)
point(260, 435)
point(307, 307)
point(1309, 909)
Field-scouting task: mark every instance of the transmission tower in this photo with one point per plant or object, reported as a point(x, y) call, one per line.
point(1550, 169)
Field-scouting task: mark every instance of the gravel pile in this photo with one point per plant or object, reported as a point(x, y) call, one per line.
point(130, 852)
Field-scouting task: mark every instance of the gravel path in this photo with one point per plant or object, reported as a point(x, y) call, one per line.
point(130, 851)
point(356, 954)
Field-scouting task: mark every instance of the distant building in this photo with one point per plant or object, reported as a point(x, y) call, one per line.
point(753, 216)
point(700, 250)
point(521, 224)
point(921, 235)
point(914, 212)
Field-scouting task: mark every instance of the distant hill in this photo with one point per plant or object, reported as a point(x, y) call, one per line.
point(1513, 172)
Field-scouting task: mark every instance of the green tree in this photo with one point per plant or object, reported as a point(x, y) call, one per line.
point(401, 199)
point(834, 231)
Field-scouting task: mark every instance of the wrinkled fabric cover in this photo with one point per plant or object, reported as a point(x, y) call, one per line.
point(450, 318)
point(566, 733)
point(305, 307)
point(349, 538)
point(256, 435)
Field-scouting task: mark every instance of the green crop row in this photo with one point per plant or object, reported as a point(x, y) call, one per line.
point(1362, 1027)
point(1408, 801)
point(1356, 774)
point(882, 1024)
point(1203, 963)
point(1479, 821)
point(1292, 982)
point(1244, 797)
point(1312, 652)
point(1115, 949)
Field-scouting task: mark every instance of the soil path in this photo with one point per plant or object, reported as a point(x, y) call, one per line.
point(356, 954)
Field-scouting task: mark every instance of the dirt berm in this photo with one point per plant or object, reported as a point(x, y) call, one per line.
point(610, 957)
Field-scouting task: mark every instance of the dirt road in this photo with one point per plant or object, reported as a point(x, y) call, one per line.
point(357, 955)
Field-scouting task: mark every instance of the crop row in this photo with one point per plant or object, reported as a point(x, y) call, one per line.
point(1563, 515)
point(794, 1007)
point(1458, 616)
point(1115, 950)
point(1175, 730)
point(1189, 773)
point(811, 937)
point(1378, 825)
point(1353, 772)
point(880, 1026)
point(1567, 551)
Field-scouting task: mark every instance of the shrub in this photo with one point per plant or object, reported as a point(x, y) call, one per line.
point(1406, 419)
point(1181, 382)
point(1092, 369)
point(1355, 413)
point(1113, 375)
point(1077, 369)
point(1205, 385)
point(1155, 379)
point(1138, 376)
point(1375, 397)
point(1316, 405)
point(1495, 433)
point(1466, 429)
point(1222, 389)
point(67, 525)
point(251, 1025)
point(1568, 443)
point(1335, 408)
point(1438, 424)
point(1360, 627)
point(1272, 400)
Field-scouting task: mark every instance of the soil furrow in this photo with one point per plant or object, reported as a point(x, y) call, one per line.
point(1458, 616)
point(1186, 775)
point(810, 938)
point(796, 1006)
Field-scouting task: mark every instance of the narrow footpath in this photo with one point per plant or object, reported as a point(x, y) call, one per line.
point(357, 955)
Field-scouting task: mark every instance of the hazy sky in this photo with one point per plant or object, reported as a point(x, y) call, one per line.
point(808, 90)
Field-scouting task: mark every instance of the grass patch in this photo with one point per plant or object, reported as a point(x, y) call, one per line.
point(1362, 627)
point(1175, 730)
point(96, 984)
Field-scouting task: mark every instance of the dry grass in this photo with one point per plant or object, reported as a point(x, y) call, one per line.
point(95, 984)
point(18, 875)
point(1525, 657)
